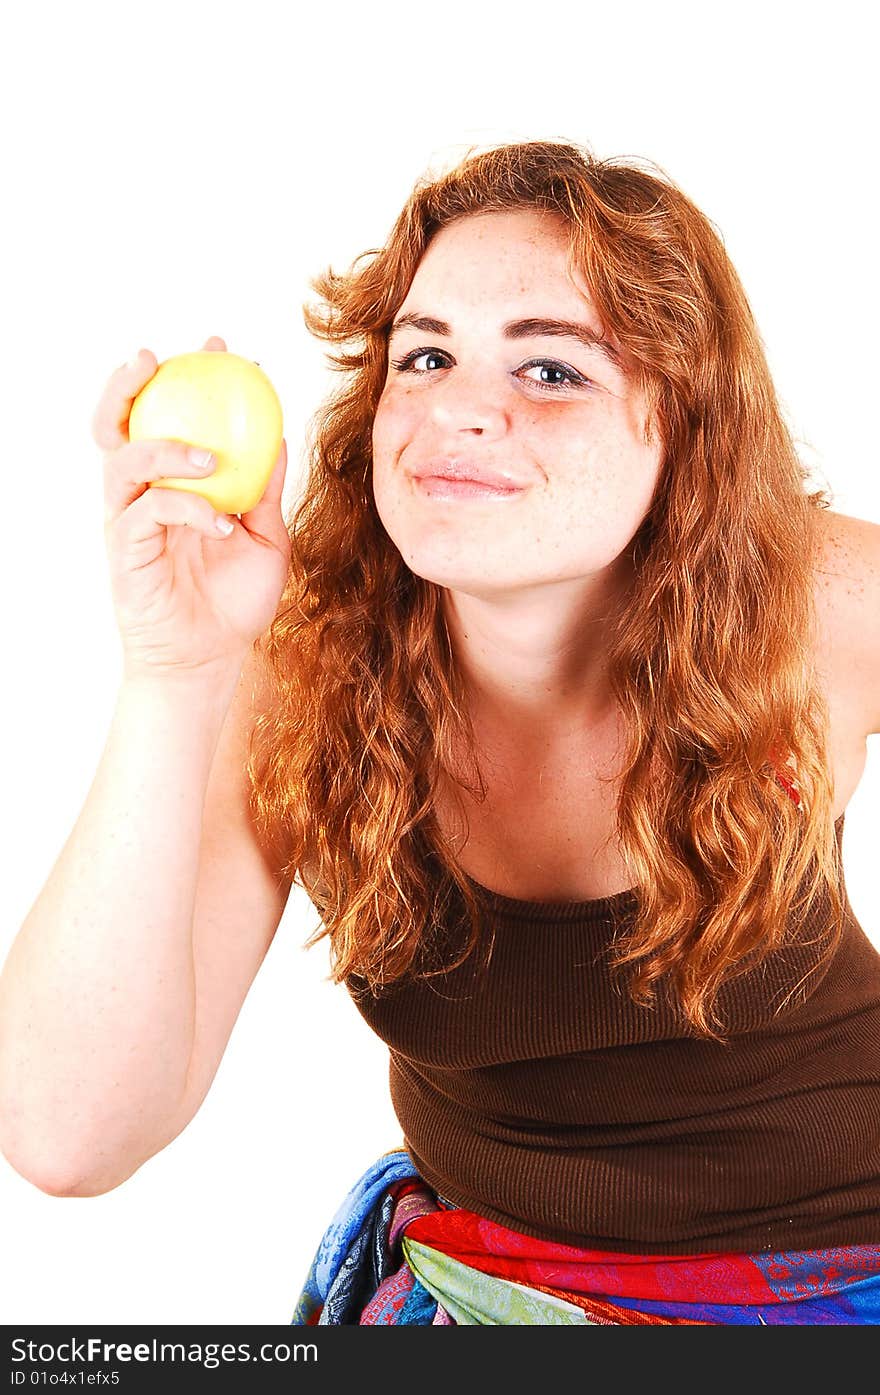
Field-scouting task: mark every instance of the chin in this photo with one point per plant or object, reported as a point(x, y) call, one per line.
point(469, 578)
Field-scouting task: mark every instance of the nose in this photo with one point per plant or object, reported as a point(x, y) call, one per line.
point(465, 403)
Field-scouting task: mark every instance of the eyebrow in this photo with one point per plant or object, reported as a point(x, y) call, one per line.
point(522, 329)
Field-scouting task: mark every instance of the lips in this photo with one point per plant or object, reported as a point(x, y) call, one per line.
point(465, 472)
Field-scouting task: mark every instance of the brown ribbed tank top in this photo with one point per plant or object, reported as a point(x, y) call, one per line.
point(534, 1092)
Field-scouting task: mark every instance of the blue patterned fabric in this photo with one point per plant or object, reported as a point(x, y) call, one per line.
point(353, 1257)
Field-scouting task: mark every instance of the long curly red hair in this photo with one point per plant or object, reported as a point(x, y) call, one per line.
point(712, 664)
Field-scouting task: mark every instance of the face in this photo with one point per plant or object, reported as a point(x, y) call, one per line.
point(478, 387)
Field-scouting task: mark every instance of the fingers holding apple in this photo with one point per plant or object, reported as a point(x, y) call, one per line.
point(266, 519)
point(110, 418)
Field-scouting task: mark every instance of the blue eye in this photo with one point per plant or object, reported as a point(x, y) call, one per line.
point(559, 375)
point(408, 362)
point(562, 376)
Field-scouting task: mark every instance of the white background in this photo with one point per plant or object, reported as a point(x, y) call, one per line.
point(175, 170)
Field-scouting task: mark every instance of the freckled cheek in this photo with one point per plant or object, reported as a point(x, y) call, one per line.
point(394, 425)
point(598, 477)
point(571, 454)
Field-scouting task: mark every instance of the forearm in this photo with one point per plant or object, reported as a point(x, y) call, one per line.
point(97, 994)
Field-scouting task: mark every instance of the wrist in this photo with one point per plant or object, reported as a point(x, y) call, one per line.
point(217, 674)
point(207, 689)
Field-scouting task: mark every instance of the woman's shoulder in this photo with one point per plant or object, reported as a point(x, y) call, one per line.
point(848, 614)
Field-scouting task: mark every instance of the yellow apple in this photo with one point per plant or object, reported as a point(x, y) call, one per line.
point(223, 403)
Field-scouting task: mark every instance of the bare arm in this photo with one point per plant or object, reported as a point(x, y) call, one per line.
point(119, 993)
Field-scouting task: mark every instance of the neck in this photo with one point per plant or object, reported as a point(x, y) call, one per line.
point(536, 660)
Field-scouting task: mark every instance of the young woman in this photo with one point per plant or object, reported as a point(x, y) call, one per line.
point(552, 693)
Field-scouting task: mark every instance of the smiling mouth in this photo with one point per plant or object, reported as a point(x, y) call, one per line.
point(442, 487)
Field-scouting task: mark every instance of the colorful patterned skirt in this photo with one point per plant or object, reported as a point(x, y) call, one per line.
point(397, 1253)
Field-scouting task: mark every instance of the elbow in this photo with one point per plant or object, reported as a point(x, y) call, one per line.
point(53, 1176)
point(60, 1183)
point(38, 1166)
point(57, 1181)
point(51, 1179)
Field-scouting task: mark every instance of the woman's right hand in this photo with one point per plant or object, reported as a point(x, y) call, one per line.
point(186, 597)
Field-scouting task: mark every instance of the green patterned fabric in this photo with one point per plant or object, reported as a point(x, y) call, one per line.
point(472, 1298)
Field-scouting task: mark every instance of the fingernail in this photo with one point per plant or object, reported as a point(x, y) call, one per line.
point(202, 459)
point(133, 362)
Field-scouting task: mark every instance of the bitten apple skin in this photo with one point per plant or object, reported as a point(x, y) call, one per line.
point(224, 404)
